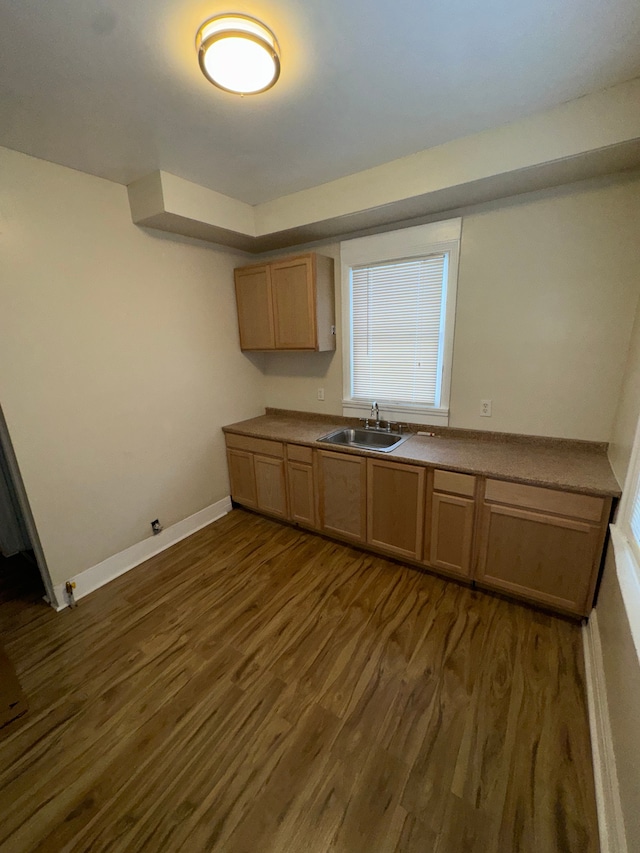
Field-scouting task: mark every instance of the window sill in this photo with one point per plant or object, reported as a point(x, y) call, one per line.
point(397, 412)
point(628, 572)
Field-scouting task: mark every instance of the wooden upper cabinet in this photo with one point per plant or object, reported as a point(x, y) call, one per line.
point(255, 308)
point(294, 310)
point(287, 304)
point(395, 501)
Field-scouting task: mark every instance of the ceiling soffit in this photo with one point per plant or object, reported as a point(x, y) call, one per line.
point(590, 136)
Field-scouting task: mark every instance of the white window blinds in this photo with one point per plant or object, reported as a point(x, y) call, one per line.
point(634, 522)
point(397, 317)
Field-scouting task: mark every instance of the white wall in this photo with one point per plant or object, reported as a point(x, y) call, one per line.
point(620, 658)
point(119, 362)
point(622, 677)
point(547, 291)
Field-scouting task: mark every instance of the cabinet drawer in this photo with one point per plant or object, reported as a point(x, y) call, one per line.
point(457, 484)
point(547, 500)
point(256, 445)
point(298, 453)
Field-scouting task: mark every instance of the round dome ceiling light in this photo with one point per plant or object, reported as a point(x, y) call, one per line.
point(238, 54)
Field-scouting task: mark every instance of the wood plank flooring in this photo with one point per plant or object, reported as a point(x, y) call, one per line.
point(256, 689)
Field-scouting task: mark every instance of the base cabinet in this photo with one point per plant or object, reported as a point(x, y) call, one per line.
point(538, 544)
point(301, 485)
point(541, 555)
point(343, 495)
point(395, 507)
point(301, 493)
point(257, 474)
point(450, 520)
point(271, 491)
point(242, 477)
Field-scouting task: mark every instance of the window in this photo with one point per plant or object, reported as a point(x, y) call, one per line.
point(399, 292)
point(634, 522)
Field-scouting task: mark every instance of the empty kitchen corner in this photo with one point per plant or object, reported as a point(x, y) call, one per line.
point(319, 429)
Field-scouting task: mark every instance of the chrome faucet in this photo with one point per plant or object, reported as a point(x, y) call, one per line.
point(375, 413)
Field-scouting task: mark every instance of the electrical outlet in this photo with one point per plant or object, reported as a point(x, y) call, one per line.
point(320, 393)
point(485, 408)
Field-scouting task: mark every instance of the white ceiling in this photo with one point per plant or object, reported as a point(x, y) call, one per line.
point(112, 87)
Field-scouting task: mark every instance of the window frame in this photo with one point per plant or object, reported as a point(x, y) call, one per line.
point(405, 244)
point(626, 547)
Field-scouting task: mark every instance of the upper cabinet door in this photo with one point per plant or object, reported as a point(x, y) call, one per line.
point(294, 311)
point(255, 311)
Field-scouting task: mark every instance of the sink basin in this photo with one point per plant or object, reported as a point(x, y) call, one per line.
point(365, 439)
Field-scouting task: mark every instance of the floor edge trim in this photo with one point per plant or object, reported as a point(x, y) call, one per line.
point(610, 818)
point(102, 573)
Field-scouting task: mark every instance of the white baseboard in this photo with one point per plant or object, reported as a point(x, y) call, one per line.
point(111, 568)
point(610, 819)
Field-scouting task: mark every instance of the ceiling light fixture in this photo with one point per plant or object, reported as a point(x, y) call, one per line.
point(238, 54)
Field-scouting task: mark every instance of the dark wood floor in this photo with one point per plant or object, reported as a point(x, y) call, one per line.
point(258, 689)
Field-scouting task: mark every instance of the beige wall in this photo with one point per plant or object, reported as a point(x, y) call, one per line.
point(628, 410)
point(548, 287)
point(119, 362)
point(547, 291)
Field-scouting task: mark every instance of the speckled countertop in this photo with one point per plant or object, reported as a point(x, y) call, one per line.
point(576, 466)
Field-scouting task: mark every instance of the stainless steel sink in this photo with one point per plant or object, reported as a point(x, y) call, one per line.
point(366, 439)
